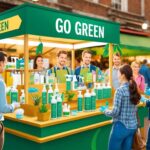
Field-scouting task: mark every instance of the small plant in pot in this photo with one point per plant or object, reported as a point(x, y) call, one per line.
point(44, 113)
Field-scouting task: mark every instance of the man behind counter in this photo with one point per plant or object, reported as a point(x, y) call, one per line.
point(86, 69)
point(61, 69)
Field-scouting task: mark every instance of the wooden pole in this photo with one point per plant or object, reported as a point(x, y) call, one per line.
point(26, 69)
point(73, 58)
point(110, 63)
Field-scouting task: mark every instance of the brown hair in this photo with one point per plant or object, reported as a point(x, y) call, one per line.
point(62, 52)
point(116, 54)
point(134, 94)
point(35, 59)
point(86, 51)
point(2, 56)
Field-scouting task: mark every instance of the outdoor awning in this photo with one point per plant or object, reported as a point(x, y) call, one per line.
point(43, 21)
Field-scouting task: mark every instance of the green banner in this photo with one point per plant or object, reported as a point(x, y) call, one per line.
point(43, 21)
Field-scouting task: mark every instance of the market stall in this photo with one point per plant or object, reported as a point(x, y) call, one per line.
point(25, 25)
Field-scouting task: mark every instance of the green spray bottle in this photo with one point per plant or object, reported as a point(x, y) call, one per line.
point(80, 101)
point(95, 90)
point(93, 100)
point(99, 92)
point(14, 94)
point(87, 101)
point(59, 106)
point(44, 95)
point(50, 94)
point(53, 108)
point(68, 83)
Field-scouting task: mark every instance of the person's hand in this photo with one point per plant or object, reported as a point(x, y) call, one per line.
point(103, 108)
point(15, 105)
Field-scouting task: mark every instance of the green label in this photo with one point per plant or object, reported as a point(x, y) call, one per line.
point(87, 103)
point(80, 102)
point(99, 94)
point(50, 97)
point(89, 77)
point(59, 109)
point(14, 97)
point(93, 102)
point(76, 85)
point(53, 111)
point(44, 98)
point(68, 85)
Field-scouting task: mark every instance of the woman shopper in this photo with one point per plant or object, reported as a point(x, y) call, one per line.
point(124, 111)
point(139, 79)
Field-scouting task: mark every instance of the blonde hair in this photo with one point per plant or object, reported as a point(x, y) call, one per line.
point(135, 63)
point(86, 52)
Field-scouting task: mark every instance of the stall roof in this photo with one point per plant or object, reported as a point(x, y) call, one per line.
point(43, 21)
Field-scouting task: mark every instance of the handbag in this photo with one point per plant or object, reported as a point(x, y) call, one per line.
point(138, 142)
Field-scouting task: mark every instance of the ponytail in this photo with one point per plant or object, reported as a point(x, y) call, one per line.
point(134, 94)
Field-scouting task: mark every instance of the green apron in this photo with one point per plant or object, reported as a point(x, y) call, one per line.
point(85, 72)
point(61, 75)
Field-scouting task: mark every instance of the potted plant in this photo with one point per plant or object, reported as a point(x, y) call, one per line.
point(43, 113)
point(32, 109)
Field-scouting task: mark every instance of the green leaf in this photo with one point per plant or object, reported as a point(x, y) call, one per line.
point(106, 51)
point(39, 49)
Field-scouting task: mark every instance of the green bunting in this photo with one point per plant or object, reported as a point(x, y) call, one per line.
point(39, 49)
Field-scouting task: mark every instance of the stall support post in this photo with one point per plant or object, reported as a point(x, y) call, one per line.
point(73, 59)
point(110, 63)
point(26, 69)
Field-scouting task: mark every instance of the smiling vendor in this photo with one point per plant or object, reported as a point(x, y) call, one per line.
point(61, 70)
point(87, 69)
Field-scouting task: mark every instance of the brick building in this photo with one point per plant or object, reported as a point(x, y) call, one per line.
point(130, 14)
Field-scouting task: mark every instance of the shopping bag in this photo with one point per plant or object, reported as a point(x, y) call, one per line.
point(138, 141)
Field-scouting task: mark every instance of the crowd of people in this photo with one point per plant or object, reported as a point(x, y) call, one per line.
point(129, 82)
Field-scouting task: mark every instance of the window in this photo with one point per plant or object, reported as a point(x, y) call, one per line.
point(53, 1)
point(120, 5)
point(95, 1)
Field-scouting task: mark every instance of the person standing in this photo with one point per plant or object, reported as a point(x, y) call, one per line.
point(4, 107)
point(61, 70)
point(139, 79)
point(124, 111)
point(145, 71)
point(86, 69)
point(38, 63)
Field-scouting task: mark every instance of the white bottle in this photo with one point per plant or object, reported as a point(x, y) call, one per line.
point(87, 101)
point(93, 100)
point(50, 94)
point(53, 108)
point(36, 78)
point(80, 101)
point(74, 83)
point(19, 78)
point(56, 90)
point(42, 78)
point(59, 106)
point(22, 97)
point(44, 95)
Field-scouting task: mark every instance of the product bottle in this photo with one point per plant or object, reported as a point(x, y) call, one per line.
point(14, 94)
point(93, 100)
point(36, 78)
point(80, 101)
point(42, 78)
point(50, 94)
point(109, 91)
point(87, 101)
point(66, 110)
point(74, 83)
point(59, 106)
point(68, 83)
point(22, 97)
point(19, 78)
point(99, 92)
point(53, 108)
point(105, 91)
point(44, 95)
point(95, 89)
point(56, 90)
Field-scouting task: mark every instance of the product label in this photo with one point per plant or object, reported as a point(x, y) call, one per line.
point(53, 111)
point(59, 109)
point(68, 85)
point(99, 94)
point(50, 97)
point(75, 85)
point(87, 103)
point(14, 97)
point(93, 102)
point(44, 98)
point(80, 100)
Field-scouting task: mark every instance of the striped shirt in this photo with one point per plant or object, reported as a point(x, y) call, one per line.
point(123, 110)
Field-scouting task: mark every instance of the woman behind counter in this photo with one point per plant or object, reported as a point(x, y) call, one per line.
point(139, 79)
point(38, 63)
point(124, 111)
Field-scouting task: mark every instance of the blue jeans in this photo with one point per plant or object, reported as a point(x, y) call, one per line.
point(148, 140)
point(121, 138)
